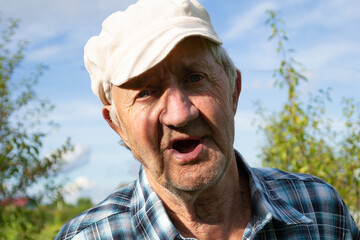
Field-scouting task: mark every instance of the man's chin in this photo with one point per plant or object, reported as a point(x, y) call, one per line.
point(189, 186)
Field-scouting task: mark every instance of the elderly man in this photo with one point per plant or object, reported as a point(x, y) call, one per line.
point(170, 91)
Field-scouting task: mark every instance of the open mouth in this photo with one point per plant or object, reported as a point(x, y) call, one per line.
point(186, 146)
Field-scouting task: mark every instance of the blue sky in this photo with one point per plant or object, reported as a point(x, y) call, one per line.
point(324, 33)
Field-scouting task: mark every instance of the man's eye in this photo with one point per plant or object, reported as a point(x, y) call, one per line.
point(195, 78)
point(144, 94)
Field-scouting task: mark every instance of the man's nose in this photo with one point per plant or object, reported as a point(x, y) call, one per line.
point(178, 109)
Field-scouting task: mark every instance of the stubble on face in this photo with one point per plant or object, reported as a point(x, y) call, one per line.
point(200, 173)
point(214, 128)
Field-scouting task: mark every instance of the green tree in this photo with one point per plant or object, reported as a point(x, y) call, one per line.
point(24, 171)
point(300, 138)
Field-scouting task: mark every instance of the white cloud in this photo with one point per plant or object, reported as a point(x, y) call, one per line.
point(330, 76)
point(76, 159)
point(72, 20)
point(262, 84)
point(77, 109)
point(247, 21)
point(44, 53)
point(80, 183)
point(76, 189)
point(327, 13)
point(244, 121)
point(320, 55)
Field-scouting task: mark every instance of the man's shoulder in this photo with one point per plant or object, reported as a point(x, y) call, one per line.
point(310, 196)
point(294, 186)
point(118, 203)
point(277, 176)
point(299, 189)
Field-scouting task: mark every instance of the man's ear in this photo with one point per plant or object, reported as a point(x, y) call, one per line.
point(115, 126)
point(237, 90)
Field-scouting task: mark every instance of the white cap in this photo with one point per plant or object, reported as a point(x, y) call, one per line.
point(133, 41)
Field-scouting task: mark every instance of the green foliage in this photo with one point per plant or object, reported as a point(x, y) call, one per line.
point(58, 213)
point(300, 138)
point(23, 118)
point(21, 223)
point(67, 211)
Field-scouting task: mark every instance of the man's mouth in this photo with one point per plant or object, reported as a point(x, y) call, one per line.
point(186, 146)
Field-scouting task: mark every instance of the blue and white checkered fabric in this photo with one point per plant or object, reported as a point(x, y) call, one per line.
point(285, 206)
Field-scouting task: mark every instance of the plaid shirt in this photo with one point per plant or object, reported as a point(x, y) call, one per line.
point(285, 206)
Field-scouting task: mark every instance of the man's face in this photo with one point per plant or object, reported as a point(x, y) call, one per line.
point(178, 118)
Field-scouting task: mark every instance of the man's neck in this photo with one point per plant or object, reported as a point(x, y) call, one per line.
point(220, 212)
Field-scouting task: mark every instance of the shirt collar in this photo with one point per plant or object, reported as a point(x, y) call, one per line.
point(267, 204)
point(148, 213)
point(150, 218)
